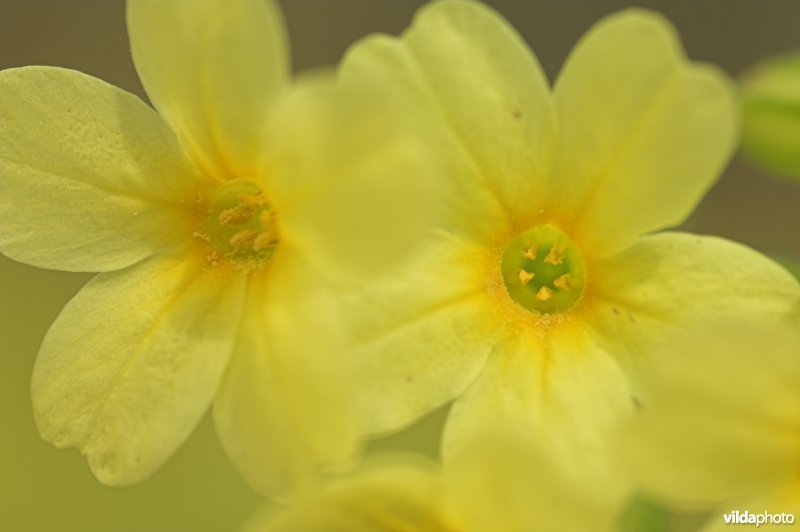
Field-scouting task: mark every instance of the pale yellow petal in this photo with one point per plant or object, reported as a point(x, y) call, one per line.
point(285, 410)
point(644, 133)
point(641, 296)
point(132, 363)
point(480, 98)
point(465, 202)
point(722, 414)
point(501, 481)
point(559, 390)
point(348, 178)
point(212, 68)
point(398, 494)
point(419, 333)
point(90, 177)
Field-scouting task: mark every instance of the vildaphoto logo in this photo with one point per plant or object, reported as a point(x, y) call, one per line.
point(765, 518)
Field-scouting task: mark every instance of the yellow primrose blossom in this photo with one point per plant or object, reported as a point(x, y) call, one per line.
point(213, 223)
point(722, 424)
point(534, 298)
point(497, 483)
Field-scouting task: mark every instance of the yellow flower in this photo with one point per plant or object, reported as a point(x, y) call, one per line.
point(209, 222)
point(539, 292)
point(722, 423)
point(498, 483)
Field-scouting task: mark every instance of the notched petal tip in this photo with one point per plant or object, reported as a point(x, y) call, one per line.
point(126, 383)
point(645, 131)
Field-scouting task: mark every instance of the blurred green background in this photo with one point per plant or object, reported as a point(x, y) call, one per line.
point(42, 489)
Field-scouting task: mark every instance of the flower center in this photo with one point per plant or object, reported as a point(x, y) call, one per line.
point(543, 270)
point(239, 225)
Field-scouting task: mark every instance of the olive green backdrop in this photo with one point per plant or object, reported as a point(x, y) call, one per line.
point(42, 489)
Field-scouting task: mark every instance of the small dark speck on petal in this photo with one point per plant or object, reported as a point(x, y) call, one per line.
point(615, 310)
point(637, 403)
point(517, 114)
point(409, 378)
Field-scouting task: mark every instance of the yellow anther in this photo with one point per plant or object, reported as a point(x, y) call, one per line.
point(530, 253)
point(200, 235)
point(555, 256)
point(253, 200)
point(562, 283)
point(269, 221)
point(241, 214)
point(243, 238)
point(525, 276)
point(544, 294)
point(264, 240)
point(213, 258)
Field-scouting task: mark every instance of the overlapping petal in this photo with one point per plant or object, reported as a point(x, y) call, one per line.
point(132, 363)
point(212, 68)
point(347, 177)
point(91, 179)
point(393, 493)
point(641, 296)
point(285, 409)
point(482, 102)
point(643, 133)
point(419, 335)
point(723, 415)
point(497, 482)
point(501, 481)
point(559, 389)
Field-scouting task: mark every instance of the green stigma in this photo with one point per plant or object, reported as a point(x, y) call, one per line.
point(239, 225)
point(543, 270)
